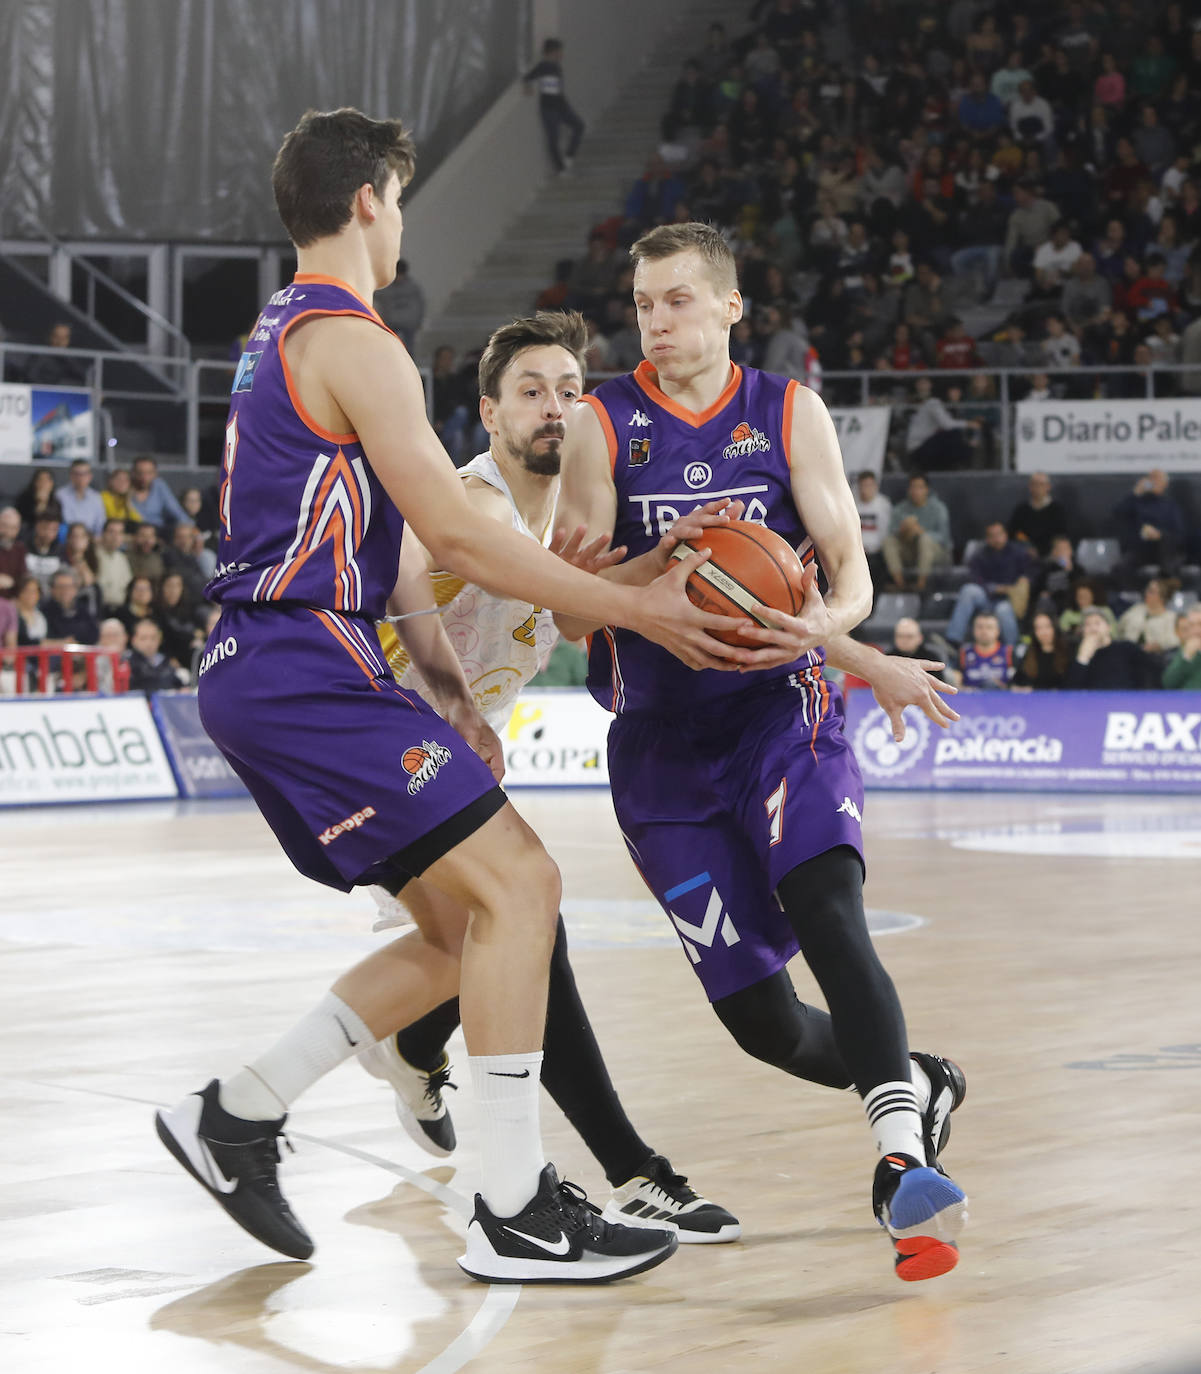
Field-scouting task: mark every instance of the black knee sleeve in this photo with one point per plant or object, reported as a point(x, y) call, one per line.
point(770, 1024)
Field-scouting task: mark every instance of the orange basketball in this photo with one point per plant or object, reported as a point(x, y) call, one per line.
point(413, 759)
point(748, 563)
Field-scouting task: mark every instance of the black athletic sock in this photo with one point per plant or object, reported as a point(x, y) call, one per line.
point(770, 1023)
point(574, 1073)
point(424, 1042)
point(823, 900)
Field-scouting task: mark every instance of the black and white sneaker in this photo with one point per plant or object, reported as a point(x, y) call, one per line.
point(235, 1161)
point(948, 1088)
point(419, 1105)
point(558, 1237)
point(659, 1197)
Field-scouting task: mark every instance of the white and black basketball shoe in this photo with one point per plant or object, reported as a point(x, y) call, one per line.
point(235, 1161)
point(948, 1088)
point(558, 1237)
point(419, 1105)
point(659, 1197)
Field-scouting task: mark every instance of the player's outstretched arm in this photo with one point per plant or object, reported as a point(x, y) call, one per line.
point(419, 628)
point(896, 682)
point(373, 382)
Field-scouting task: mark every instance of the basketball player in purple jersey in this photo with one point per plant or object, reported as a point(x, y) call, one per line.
point(328, 451)
point(753, 771)
point(530, 379)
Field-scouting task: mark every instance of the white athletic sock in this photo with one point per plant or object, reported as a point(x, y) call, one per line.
point(895, 1120)
point(507, 1091)
point(318, 1042)
point(921, 1085)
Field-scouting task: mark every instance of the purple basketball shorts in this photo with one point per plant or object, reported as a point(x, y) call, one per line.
point(346, 768)
point(716, 807)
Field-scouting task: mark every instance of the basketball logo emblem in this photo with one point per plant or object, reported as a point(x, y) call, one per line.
point(422, 762)
point(698, 475)
point(744, 441)
point(640, 452)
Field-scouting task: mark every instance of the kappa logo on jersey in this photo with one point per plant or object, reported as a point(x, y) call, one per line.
point(698, 475)
point(247, 366)
point(640, 452)
point(744, 441)
point(849, 808)
point(350, 823)
point(715, 922)
point(423, 762)
point(638, 418)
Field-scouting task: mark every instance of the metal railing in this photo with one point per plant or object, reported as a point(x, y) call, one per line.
point(196, 383)
point(44, 670)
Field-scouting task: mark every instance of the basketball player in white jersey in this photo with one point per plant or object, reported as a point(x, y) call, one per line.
point(530, 381)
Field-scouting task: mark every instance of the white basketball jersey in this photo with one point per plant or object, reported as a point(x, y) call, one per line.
point(500, 642)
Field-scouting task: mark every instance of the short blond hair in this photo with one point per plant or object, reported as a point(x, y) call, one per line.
point(666, 240)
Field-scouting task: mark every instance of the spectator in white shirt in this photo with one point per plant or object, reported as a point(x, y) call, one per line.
point(114, 573)
point(1054, 260)
point(81, 505)
point(1060, 348)
point(1030, 115)
point(875, 512)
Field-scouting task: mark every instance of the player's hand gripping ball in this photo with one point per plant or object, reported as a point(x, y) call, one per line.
point(748, 564)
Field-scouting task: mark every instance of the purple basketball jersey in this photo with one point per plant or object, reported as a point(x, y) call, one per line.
point(304, 519)
point(668, 461)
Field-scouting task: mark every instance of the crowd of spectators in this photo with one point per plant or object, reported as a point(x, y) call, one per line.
point(913, 184)
point(1024, 610)
point(122, 569)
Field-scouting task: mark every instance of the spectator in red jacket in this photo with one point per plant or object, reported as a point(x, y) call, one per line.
point(1152, 294)
point(956, 348)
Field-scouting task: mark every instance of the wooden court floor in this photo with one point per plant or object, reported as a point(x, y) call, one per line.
point(145, 948)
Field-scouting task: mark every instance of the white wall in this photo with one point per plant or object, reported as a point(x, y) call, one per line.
point(455, 217)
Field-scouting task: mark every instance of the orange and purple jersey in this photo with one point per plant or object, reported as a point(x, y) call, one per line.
point(667, 461)
point(303, 518)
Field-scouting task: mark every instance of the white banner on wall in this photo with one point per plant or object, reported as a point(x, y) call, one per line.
point(16, 423)
point(862, 436)
point(1109, 436)
point(556, 738)
point(62, 749)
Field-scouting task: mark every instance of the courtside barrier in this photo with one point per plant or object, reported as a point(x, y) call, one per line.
point(78, 748)
point(89, 748)
point(1037, 741)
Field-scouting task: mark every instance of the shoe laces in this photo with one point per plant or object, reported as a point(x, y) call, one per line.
point(577, 1213)
point(663, 1177)
point(258, 1160)
point(436, 1081)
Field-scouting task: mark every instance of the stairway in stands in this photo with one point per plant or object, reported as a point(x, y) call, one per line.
point(555, 225)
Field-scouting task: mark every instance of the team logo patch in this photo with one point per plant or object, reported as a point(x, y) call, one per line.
point(698, 475)
point(744, 441)
point(244, 376)
point(423, 762)
point(640, 452)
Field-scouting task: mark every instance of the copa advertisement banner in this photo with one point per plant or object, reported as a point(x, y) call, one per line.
point(1109, 436)
point(51, 423)
point(80, 748)
point(862, 436)
point(199, 765)
point(556, 738)
point(1057, 741)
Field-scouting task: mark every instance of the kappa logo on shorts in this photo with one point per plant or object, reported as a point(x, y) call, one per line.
point(350, 823)
point(849, 808)
point(716, 920)
point(744, 441)
point(423, 762)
